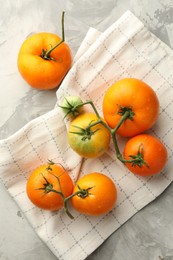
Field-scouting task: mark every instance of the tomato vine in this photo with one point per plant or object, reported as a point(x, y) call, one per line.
point(126, 113)
point(48, 187)
point(46, 53)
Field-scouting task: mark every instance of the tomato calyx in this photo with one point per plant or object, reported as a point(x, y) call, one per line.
point(138, 159)
point(48, 187)
point(86, 133)
point(45, 54)
point(71, 106)
point(82, 193)
point(123, 110)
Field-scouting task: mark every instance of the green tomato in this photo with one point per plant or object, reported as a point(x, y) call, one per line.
point(88, 142)
point(72, 105)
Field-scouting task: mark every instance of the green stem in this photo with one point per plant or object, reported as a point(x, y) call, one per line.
point(93, 124)
point(46, 54)
point(113, 135)
point(117, 150)
point(64, 202)
point(66, 209)
point(128, 113)
point(81, 192)
point(100, 121)
point(122, 119)
point(93, 106)
point(112, 131)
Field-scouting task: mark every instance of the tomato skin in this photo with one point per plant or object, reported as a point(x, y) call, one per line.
point(137, 95)
point(154, 154)
point(38, 72)
point(88, 148)
point(102, 196)
point(48, 201)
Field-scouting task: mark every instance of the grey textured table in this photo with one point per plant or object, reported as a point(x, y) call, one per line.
point(149, 234)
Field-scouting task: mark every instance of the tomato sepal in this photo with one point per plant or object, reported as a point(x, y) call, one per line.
point(72, 106)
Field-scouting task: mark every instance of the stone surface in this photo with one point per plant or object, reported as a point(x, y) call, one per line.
point(149, 234)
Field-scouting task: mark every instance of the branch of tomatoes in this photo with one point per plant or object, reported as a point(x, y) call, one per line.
point(89, 135)
point(50, 187)
point(130, 107)
point(74, 109)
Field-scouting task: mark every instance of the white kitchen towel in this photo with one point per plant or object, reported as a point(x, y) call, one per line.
point(125, 49)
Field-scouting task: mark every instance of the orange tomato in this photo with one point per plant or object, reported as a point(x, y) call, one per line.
point(138, 98)
point(98, 194)
point(39, 72)
point(41, 182)
point(44, 59)
point(153, 152)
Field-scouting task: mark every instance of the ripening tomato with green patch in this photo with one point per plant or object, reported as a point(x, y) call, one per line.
point(148, 155)
point(134, 100)
point(87, 137)
point(96, 194)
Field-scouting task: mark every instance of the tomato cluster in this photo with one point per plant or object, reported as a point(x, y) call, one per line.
point(50, 187)
point(130, 107)
point(135, 105)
